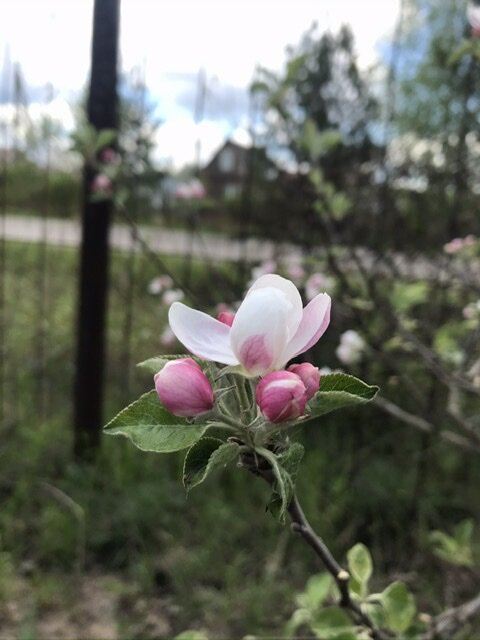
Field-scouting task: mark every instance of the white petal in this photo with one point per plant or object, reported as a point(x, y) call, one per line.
point(316, 318)
point(291, 293)
point(204, 336)
point(259, 332)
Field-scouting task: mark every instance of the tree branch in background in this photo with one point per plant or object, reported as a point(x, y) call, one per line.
point(447, 624)
point(467, 444)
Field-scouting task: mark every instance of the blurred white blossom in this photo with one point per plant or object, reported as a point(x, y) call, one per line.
point(167, 337)
point(351, 347)
point(159, 284)
point(172, 295)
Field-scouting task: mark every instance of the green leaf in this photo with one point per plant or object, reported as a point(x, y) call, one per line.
point(463, 532)
point(156, 364)
point(407, 295)
point(205, 456)
point(105, 138)
point(333, 624)
point(399, 607)
point(152, 428)
point(300, 618)
point(360, 564)
point(191, 635)
point(285, 467)
point(456, 549)
point(316, 592)
point(338, 390)
point(375, 612)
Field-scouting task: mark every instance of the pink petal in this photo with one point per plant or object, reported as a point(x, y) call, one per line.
point(204, 336)
point(259, 332)
point(316, 318)
point(290, 291)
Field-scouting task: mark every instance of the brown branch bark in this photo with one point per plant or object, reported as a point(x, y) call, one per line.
point(448, 623)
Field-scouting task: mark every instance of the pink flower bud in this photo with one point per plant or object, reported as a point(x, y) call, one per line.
point(281, 396)
point(309, 375)
point(183, 388)
point(227, 317)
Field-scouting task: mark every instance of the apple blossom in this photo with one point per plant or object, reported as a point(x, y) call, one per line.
point(309, 375)
point(270, 327)
point(281, 396)
point(183, 388)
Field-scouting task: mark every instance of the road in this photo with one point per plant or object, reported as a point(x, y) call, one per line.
point(67, 233)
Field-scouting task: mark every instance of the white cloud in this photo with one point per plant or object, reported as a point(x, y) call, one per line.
point(172, 39)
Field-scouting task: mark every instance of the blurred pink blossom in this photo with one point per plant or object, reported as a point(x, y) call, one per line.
point(295, 272)
point(458, 244)
point(317, 283)
point(110, 156)
point(264, 268)
point(101, 184)
point(159, 284)
point(191, 190)
point(167, 337)
point(473, 15)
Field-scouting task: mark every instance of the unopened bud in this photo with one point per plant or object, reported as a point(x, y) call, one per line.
point(309, 375)
point(281, 396)
point(183, 388)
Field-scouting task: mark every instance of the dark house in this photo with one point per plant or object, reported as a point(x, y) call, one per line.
point(227, 171)
point(226, 175)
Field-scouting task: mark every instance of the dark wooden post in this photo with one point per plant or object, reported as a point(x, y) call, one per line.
point(102, 114)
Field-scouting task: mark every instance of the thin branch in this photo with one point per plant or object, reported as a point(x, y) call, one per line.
point(261, 468)
point(427, 427)
point(301, 525)
point(448, 623)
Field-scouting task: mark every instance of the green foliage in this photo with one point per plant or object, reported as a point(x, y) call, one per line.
point(393, 609)
point(206, 456)
point(455, 549)
point(191, 635)
point(285, 467)
point(333, 624)
point(152, 428)
point(407, 295)
point(361, 566)
point(339, 390)
point(399, 607)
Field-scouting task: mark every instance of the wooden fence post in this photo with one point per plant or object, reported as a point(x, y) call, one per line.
point(94, 257)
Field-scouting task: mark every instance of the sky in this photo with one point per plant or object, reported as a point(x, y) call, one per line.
point(170, 41)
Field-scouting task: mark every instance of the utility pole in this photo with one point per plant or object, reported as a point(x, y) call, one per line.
point(94, 258)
